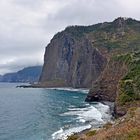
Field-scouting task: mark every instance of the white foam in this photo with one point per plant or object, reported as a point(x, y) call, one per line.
point(71, 106)
point(80, 119)
point(75, 97)
point(88, 113)
point(105, 111)
point(57, 132)
point(72, 89)
point(90, 116)
point(63, 134)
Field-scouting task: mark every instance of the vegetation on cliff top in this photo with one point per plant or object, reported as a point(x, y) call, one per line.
point(120, 33)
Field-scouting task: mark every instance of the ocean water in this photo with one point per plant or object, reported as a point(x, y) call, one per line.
point(46, 114)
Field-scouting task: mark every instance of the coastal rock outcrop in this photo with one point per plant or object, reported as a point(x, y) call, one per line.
point(76, 56)
point(122, 57)
point(71, 62)
point(94, 57)
point(104, 89)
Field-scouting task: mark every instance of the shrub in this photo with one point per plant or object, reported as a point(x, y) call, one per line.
point(73, 137)
point(91, 133)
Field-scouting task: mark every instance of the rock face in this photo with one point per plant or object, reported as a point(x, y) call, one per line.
point(94, 56)
point(88, 56)
point(104, 89)
point(71, 62)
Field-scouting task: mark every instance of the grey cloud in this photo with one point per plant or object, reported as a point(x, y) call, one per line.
point(12, 66)
point(33, 4)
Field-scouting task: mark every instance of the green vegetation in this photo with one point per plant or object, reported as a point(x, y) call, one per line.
point(91, 133)
point(127, 93)
point(107, 125)
point(130, 84)
point(73, 137)
point(133, 134)
point(108, 35)
point(126, 58)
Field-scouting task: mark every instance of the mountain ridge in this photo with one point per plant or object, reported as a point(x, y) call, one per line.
point(27, 74)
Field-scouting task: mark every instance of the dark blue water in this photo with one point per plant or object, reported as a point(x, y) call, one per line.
point(44, 114)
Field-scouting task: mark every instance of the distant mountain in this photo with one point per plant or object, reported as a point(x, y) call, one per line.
point(0, 77)
point(29, 74)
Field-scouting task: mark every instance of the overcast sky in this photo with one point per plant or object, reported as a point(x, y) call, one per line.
point(26, 26)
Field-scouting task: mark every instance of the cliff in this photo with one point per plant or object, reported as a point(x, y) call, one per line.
point(77, 56)
point(124, 40)
point(127, 100)
point(96, 56)
point(29, 74)
point(106, 58)
point(71, 62)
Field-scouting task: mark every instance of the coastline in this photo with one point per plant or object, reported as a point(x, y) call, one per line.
point(84, 91)
point(112, 126)
point(91, 131)
point(89, 125)
point(123, 128)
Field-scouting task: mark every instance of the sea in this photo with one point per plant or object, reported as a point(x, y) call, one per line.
point(47, 113)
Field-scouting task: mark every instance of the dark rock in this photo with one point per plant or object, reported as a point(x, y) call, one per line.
point(75, 63)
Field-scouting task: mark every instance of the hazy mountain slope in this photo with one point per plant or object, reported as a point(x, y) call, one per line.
point(29, 74)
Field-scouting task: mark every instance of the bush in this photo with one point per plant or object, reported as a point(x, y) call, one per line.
point(73, 137)
point(91, 133)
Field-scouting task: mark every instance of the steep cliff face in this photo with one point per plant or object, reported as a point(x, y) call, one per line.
point(121, 38)
point(81, 56)
point(71, 62)
point(104, 89)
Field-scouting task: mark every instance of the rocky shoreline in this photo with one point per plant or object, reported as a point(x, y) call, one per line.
point(124, 128)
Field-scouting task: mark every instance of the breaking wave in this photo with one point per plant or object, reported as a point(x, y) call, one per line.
point(86, 118)
point(81, 90)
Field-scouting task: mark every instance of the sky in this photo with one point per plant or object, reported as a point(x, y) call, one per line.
point(26, 26)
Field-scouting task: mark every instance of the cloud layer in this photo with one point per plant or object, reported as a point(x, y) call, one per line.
point(26, 26)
